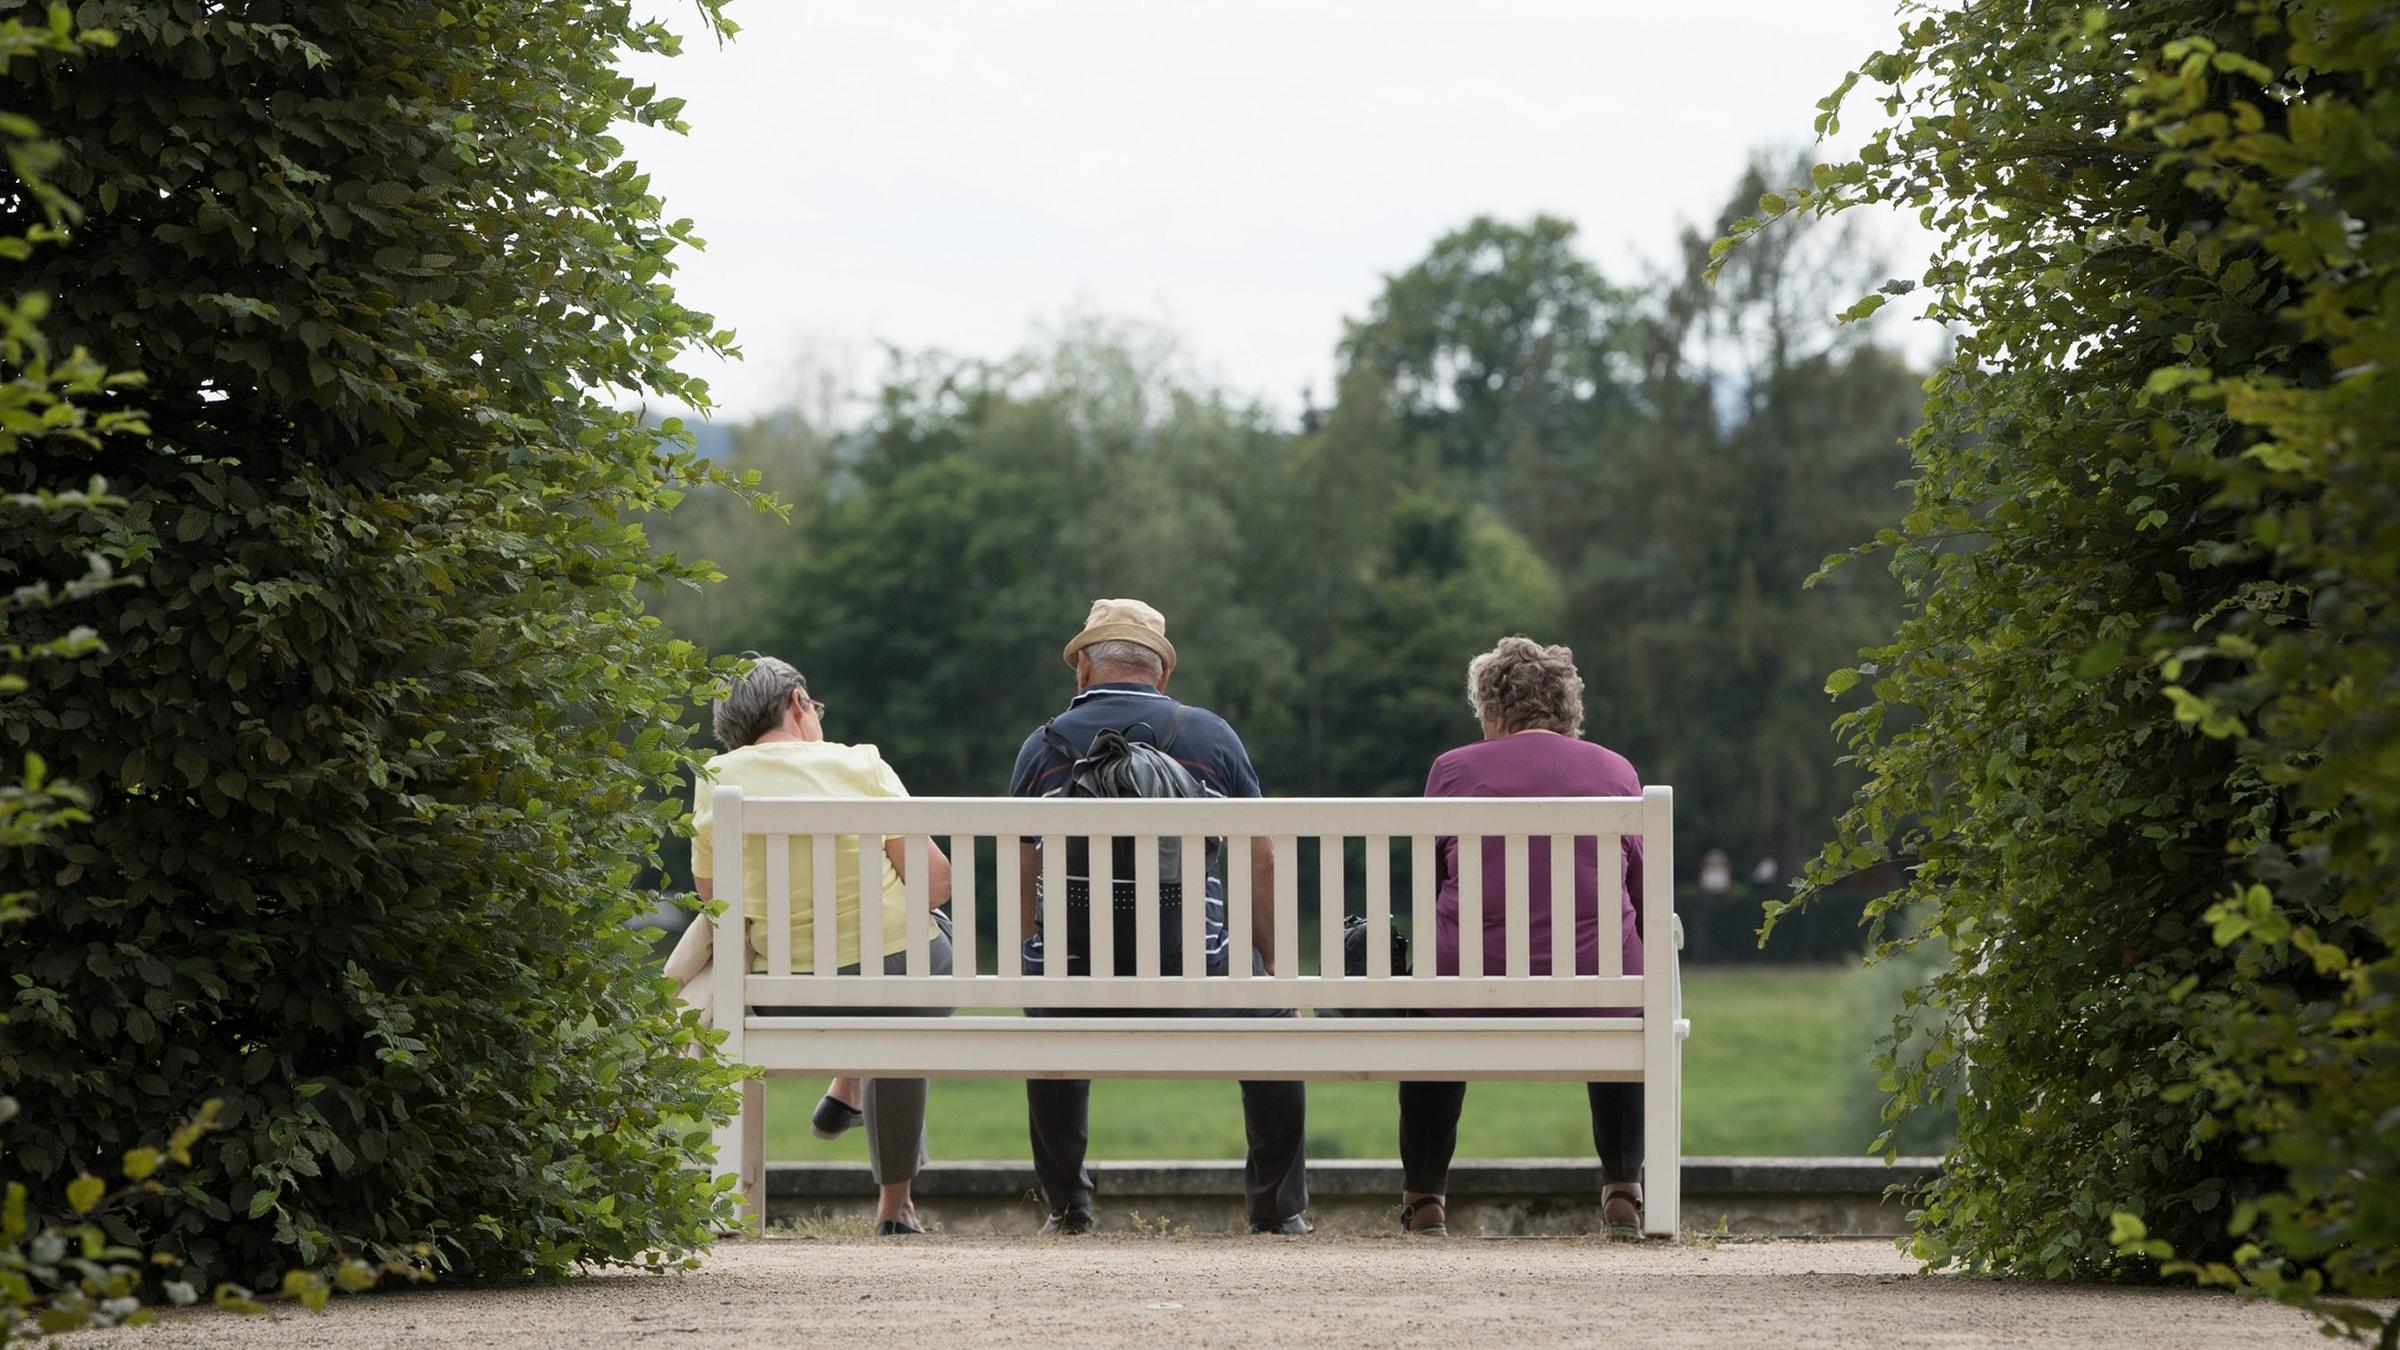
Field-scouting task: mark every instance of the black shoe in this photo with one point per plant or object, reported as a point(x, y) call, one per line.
point(1069, 1223)
point(897, 1228)
point(1291, 1227)
point(834, 1118)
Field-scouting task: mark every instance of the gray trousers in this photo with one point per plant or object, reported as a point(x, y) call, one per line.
point(895, 1107)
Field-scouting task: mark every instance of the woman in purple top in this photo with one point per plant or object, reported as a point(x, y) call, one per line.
point(1530, 701)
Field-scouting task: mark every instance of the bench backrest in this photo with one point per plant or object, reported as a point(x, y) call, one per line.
point(1411, 824)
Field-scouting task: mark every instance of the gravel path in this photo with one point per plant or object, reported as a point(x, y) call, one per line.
point(1159, 1292)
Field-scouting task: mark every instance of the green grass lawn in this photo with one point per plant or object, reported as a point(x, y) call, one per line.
point(1771, 1059)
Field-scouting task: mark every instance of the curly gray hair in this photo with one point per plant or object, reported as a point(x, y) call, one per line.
point(752, 705)
point(1522, 685)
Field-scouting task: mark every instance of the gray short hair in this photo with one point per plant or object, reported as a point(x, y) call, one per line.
point(1128, 655)
point(752, 705)
point(1522, 685)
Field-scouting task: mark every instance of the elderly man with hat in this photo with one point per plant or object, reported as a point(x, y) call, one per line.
point(1122, 662)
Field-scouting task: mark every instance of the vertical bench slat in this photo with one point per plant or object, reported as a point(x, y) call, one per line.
point(870, 906)
point(1516, 905)
point(1054, 906)
point(1008, 906)
point(1287, 907)
point(1562, 906)
point(1470, 907)
point(823, 919)
point(918, 849)
point(1423, 925)
point(1145, 906)
point(1379, 906)
point(962, 904)
point(1103, 941)
point(1612, 905)
point(1239, 939)
point(779, 904)
point(1192, 850)
point(732, 887)
point(1330, 881)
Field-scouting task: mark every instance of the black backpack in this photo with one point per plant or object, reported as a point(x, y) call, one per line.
point(1116, 765)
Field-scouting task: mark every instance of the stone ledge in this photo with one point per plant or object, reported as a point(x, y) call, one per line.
point(1522, 1197)
point(1865, 1178)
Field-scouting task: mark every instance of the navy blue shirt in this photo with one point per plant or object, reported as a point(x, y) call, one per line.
point(1204, 744)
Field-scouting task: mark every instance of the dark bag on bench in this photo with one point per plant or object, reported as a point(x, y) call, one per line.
point(1354, 962)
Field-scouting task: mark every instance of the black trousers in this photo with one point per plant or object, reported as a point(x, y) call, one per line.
point(1429, 1132)
point(1058, 1110)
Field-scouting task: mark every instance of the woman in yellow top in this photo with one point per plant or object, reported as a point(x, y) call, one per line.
point(775, 746)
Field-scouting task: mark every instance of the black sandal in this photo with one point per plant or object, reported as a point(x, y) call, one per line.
point(834, 1118)
point(1437, 1227)
point(897, 1228)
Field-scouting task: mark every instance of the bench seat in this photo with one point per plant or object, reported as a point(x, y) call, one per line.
point(1471, 1049)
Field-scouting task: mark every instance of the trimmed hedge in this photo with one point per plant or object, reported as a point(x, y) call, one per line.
point(367, 753)
point(2137, 739)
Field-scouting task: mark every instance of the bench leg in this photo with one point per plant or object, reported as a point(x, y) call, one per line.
point(1662, 1134)
point(754, 1150)
point(741, 1151)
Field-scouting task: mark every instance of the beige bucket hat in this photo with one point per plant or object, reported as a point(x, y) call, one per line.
point(1124, 621)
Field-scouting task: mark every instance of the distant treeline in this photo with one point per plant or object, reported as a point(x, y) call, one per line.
point(1648, 471)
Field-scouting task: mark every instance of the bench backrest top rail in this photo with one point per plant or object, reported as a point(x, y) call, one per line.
point(1350, 817)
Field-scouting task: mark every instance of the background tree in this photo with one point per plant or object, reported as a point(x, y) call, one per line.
point(2145, 782)
point(1772, 436)
point(1500, 357)
point(1516, 444)
point(992, 502)
point(366, 753)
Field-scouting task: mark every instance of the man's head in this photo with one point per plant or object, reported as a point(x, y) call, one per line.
point(1122, 640)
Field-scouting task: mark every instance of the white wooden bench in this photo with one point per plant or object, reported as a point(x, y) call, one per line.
point(1646, 1048)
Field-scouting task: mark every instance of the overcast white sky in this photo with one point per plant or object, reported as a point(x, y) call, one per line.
point(951, 173)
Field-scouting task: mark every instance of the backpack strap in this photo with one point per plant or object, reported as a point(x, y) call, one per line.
point(1060, 743)
point(1166, 744)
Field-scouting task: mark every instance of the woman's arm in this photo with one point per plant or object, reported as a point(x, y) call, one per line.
point(937, 869)
point(895, 848)
point(703, 946)
point(691, 953)
point(1445, 847)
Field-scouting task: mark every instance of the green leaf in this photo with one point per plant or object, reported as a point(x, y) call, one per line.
point(85, 1193)
point(2168, 379)
point(2100, 659)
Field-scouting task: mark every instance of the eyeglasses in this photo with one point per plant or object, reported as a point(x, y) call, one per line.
point(816, 706)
